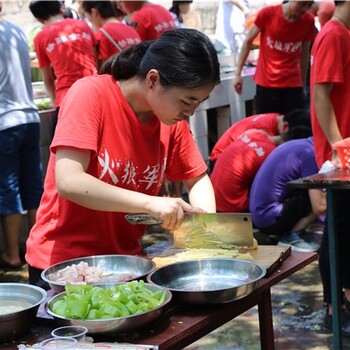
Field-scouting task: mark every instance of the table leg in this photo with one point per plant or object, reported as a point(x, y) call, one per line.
point(334, 270)
point(265, 322)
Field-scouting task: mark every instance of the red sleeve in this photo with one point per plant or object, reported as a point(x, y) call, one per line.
point(263, 17)
point(83, 99)
point(184, 159)
point(327, 63)
point(40, 51)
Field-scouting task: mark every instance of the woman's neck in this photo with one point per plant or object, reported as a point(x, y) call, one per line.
point(287, 12)
point(53, 19)
point(139, 4)
point(341, 20)
point(133, 90)
point(109, 20)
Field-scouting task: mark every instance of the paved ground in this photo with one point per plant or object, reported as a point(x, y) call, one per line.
point(297, 311)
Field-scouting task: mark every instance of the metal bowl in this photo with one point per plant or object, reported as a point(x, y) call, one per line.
point(117, 325)
point(209, 281)
point(26, 296)
point(119, 265)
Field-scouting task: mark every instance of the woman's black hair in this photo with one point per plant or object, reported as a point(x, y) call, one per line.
point(43, 10)
point(183, 57)
point(106, 9)
point(299, 124)
point(298, 117)
point(297, 132)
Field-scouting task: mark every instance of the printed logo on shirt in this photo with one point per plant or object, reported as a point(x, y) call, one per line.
point(258, 149)
point(63, 39)
point(127, 174)
point(287, 47)
point(164, 26)
point(128, 42)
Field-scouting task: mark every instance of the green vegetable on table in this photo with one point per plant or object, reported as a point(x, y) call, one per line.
point(43, 104)
point(93, 302)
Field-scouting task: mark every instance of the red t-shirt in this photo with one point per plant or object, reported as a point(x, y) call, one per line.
point(125, 153)
point(151, 21)
point(68, 46)
point(235, 170)
point(280, 47)
point(330, 63)
point(267, 122)
point(121, 33)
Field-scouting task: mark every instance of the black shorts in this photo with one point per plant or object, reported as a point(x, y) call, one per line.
point(279, 100)
point(35, 278)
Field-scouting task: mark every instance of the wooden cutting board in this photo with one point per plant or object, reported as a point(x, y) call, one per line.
point(269, 256)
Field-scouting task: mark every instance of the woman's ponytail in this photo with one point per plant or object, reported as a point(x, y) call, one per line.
point(126, 63)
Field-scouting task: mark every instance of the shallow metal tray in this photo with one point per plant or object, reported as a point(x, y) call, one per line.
point(209, 281)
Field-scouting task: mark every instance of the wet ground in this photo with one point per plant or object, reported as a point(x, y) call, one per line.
point(297, 313)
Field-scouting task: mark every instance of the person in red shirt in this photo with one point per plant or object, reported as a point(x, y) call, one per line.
point(269, 122)
point(149, 20)
point(111, 35)
point(118, 135)
point(273, 123)
point(236, 167)
point(64, 48)
point(287, 31)
point(330, 116)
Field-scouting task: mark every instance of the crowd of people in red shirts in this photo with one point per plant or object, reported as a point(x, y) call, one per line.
point(260, 152)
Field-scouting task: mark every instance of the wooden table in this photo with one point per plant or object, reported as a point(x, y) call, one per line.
point(182, 325)
point(333, 180)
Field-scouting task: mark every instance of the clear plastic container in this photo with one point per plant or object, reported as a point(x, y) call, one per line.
point(76, 332)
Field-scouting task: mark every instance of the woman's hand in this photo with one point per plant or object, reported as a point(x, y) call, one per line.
point(170, 211)
point(335, 158)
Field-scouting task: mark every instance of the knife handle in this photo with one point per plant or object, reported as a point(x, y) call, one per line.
point(142, 219)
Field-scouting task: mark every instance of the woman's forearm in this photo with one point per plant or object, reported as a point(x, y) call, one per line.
point(201, 194)
point(90, 192)
point(325, 112)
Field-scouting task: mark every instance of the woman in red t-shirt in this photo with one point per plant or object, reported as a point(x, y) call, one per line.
point(111, 35)
point(118, 135)
point(149, 20)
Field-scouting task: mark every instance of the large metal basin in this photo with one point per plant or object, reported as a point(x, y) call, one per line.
point(209, 281)
point(119, 265)
point(15, 324)
point(117, 325)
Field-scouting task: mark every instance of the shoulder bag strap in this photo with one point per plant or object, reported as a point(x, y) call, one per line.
point(111, 39)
